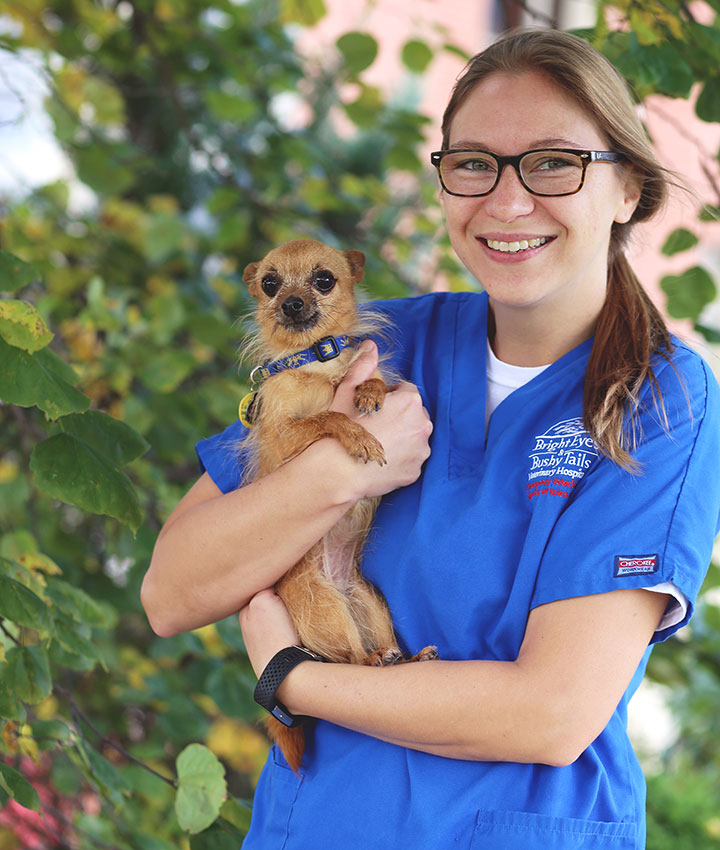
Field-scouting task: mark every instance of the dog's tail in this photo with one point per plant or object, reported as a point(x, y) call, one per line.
point(290, 741)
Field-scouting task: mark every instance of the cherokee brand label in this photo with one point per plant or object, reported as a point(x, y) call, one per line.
point(635, 565)
point(559, 459)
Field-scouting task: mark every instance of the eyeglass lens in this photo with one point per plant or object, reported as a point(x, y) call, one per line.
point(543, 172)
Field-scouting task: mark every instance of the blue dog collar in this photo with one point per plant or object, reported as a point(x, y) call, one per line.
point(324, 349)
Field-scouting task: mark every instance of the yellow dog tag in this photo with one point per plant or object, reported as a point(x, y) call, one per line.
point(246, 412)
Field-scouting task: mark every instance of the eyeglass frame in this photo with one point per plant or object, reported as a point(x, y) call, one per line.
point(586, 157)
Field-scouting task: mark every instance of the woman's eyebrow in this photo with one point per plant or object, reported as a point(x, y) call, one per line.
point(466, 145)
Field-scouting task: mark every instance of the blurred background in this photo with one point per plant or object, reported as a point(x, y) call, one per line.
point(150, 149)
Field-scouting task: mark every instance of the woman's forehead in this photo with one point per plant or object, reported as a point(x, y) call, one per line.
point(522, 111)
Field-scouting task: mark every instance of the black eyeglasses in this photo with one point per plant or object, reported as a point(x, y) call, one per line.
point(552, 171)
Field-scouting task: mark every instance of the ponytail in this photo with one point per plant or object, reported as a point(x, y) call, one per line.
point(629, 331)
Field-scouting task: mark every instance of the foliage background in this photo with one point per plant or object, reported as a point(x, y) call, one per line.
point(118, 332)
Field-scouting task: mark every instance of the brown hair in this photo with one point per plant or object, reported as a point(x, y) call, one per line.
point(630, 329)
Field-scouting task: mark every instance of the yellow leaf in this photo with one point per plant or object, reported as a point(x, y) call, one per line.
point(37, 562)
point(240, 745)
point(28, 745)
point(8, 471)
point(10, 736)
point(47, 709)
point(2, 653)
point(22, 326)
point(212, 642)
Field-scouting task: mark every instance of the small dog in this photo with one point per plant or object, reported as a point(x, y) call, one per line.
point(305, 293)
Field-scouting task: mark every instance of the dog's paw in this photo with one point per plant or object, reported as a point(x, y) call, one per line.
point(429, 653)
point(384, 657)
point(370, 395)
point(369, 449)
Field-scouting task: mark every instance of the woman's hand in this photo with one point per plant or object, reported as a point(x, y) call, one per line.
point(266, 628)
point(402, 426)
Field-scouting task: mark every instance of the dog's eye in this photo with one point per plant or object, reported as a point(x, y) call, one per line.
point(324, 280)
point(270, 285)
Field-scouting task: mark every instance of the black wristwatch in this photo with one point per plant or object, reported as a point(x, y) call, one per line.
point(272, 677)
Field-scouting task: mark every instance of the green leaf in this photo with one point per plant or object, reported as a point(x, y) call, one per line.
point(707, 106)
point(75, 602)
point(416, 55)
point(688, 293)
point(73, 641)
point(103, 171)
point(232, 691)
point(365, 109)
point(108, 436)
point(217, 837)
point(167, 370)
point(201, 788)
point(105, 772)
point(305, 12)
point(236, 812)
point(68, 469)
point(14, 273)
point(679, 240)
point(358, 49)
point(36, 379)
point(29, 673)
point(11, 707)
point(18, 787)
point(22, 326)
point(163, 237)
point(22, 606)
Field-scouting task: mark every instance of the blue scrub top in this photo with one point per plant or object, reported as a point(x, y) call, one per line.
point(494, 527)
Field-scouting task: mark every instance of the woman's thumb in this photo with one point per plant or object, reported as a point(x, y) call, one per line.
point(362, 368)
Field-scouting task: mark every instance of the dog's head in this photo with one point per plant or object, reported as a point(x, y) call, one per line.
point(305, 291)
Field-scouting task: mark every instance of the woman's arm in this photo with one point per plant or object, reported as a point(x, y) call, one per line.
point(577, 658)
point(216, 551)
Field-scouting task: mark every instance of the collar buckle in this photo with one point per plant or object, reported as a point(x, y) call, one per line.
point(326, 349)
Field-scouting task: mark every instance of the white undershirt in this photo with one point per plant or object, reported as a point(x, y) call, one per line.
point(504, 378)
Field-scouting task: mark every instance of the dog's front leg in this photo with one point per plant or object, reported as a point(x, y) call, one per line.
point(355, 439)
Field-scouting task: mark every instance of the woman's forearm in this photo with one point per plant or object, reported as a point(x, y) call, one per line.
point(546, 707)
point(473, 710)
point(219, 551)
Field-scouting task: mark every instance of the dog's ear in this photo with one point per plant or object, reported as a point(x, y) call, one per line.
point(249, 278)
point(356, 260)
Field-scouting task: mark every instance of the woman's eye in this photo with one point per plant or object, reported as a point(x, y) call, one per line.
point(270, 285)
point(472, 165)
point(324, 281)
point(554, 164)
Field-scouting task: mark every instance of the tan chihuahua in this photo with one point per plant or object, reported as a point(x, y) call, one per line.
point(308, 324)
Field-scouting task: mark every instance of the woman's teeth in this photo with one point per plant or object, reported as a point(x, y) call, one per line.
point(514, 247)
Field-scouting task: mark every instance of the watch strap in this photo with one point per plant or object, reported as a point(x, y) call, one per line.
point(273, 676)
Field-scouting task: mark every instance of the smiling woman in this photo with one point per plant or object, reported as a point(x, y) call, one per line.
point(546, 535)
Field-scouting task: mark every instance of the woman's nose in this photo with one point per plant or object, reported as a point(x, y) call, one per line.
point(509, 199)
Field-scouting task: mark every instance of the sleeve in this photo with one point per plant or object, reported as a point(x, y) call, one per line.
point(624, 530)
point(221, 457)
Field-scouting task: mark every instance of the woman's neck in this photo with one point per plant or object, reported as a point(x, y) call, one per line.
point(521, 338)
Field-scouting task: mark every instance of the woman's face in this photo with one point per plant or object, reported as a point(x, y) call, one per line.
point(564, 278)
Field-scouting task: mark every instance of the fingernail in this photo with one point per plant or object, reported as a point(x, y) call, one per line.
point(365, 345)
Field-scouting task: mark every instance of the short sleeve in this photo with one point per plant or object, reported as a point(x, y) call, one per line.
point(621, 530)
point(220, 456)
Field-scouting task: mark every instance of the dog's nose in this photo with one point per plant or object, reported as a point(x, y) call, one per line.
point(292, 305)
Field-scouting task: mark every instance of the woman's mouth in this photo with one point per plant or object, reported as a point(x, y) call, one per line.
point(516, 246)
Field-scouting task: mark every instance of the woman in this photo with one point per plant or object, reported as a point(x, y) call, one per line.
point(556, 529)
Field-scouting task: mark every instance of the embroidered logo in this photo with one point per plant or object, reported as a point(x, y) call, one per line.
point(637, 565)
point(559, 459)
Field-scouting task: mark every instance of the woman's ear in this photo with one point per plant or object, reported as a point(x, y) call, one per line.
point(631, 192)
